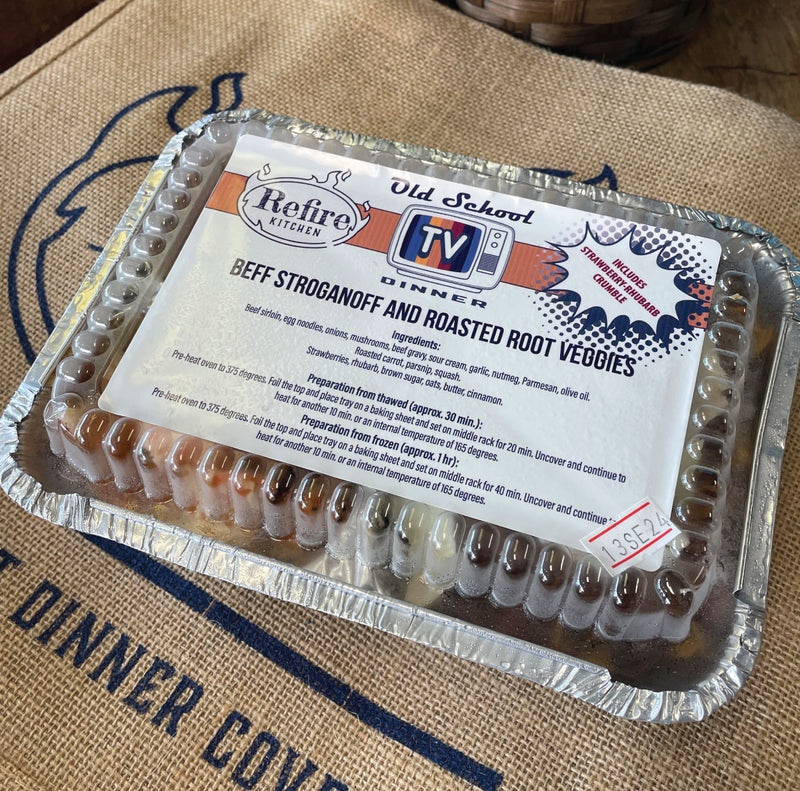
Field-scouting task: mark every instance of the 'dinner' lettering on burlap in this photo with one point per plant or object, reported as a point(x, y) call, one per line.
point(152, 686)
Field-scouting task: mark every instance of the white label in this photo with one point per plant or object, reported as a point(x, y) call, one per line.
point(521, 363)
point(633, 536)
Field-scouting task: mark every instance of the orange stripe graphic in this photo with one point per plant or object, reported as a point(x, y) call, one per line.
point(529, 266)
point(227, 192)
point(377, 233)
point(533, 267)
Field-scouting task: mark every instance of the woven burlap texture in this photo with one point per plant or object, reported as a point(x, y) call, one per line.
point(413, 71)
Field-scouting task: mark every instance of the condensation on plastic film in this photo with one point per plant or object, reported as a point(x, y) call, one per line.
point(404, 608)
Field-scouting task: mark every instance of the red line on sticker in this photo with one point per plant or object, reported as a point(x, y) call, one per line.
point(641, 549)
point(619, 522)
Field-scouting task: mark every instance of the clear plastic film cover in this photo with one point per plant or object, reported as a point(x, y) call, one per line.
point(529, 422)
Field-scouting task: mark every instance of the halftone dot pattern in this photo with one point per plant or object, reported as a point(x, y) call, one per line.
point(678, 252)
point(545, 280)
point(571, 233)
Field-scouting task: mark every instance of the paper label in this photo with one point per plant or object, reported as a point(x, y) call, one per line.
point(642, 530)
point(518, 362)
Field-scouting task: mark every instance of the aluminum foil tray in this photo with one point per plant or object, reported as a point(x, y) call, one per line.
point(438, 478)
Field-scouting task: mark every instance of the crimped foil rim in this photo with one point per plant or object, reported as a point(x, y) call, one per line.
point(243, 568)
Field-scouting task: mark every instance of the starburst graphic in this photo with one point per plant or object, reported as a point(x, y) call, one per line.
point(623, 285)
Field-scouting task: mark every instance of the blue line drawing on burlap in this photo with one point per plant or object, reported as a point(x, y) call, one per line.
point(168, 580)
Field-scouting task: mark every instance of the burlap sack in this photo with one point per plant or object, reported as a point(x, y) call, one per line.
point(196, 684)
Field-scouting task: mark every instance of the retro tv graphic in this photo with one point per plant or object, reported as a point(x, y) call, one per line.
point(448, 247)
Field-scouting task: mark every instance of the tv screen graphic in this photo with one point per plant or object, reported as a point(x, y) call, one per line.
point(448, 247)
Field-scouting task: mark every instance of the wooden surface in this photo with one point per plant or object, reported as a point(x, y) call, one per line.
point(751, 47)
point(27, 24)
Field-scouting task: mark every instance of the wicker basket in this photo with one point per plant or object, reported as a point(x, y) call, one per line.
point(618, 31)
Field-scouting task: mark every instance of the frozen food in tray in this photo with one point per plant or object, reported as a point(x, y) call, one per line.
point(527, 421)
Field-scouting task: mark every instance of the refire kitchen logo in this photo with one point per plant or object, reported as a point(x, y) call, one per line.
point(301, 212)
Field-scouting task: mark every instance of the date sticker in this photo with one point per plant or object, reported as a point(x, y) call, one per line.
point(635, 534)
